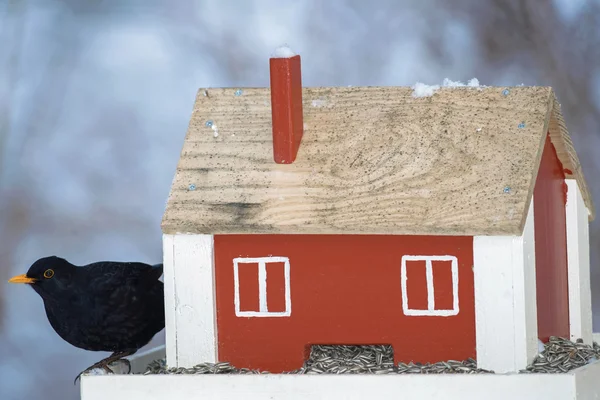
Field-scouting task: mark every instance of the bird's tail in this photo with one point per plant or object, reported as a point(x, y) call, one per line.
point(157, 270)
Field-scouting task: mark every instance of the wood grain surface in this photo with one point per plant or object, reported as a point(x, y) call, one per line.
point(373, 160)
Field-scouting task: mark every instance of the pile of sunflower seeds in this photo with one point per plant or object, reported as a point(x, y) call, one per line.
point(559, 356)
point(334, 359)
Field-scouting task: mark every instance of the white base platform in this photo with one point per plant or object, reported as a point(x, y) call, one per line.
point(580, 384)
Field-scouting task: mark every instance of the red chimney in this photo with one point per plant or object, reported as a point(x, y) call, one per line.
point(286, 105)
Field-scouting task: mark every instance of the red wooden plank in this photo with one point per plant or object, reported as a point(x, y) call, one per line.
point(345, 289)
point(286, 106)
point(551, 247)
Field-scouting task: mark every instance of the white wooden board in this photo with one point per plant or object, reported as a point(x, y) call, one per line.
point(578, 254)
point(505, 299)
point(191, 331)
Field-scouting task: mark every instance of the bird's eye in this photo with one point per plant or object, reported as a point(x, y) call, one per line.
point(48, 273)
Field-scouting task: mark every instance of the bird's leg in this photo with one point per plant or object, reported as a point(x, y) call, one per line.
point(117, 355)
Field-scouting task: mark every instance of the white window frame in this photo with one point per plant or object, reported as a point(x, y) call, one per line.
point(431, 310)
point(262, 286)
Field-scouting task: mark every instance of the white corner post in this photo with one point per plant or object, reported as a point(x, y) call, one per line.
point(578, 256)
point(505, 299)
point(191, 329)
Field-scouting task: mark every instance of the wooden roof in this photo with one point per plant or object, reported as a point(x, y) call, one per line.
point(373, 160)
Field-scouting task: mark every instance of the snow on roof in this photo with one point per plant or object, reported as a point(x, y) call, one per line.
point(283, 52)
point(471, 83)
point(423, 90)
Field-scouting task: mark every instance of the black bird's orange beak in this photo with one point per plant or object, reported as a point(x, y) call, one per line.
point(21, 279)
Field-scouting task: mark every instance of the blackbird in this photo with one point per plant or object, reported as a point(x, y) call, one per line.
point(103, 306)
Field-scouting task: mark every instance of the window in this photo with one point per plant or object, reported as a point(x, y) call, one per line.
point(257, 286)
point(447, 284)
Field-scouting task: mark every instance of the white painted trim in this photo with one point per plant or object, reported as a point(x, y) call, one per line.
point(170, 314)
point(580, 384)
point(190, 301)
point(578, 253)
point(505, 299)
point(262, 287)
point(263, 308)
point(430, 286)
point(431, 310)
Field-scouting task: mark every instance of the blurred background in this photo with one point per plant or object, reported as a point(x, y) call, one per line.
point(95, 98)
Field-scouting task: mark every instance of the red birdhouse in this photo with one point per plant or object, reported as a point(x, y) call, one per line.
point(437, 224)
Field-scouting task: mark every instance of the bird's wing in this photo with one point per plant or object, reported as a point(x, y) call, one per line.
point(125, 300)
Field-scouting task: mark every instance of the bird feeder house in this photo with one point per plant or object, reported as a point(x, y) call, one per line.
point(448, 226)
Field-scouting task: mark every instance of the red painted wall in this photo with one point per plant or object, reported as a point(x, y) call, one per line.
point(549, 199)
point(345, 289)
